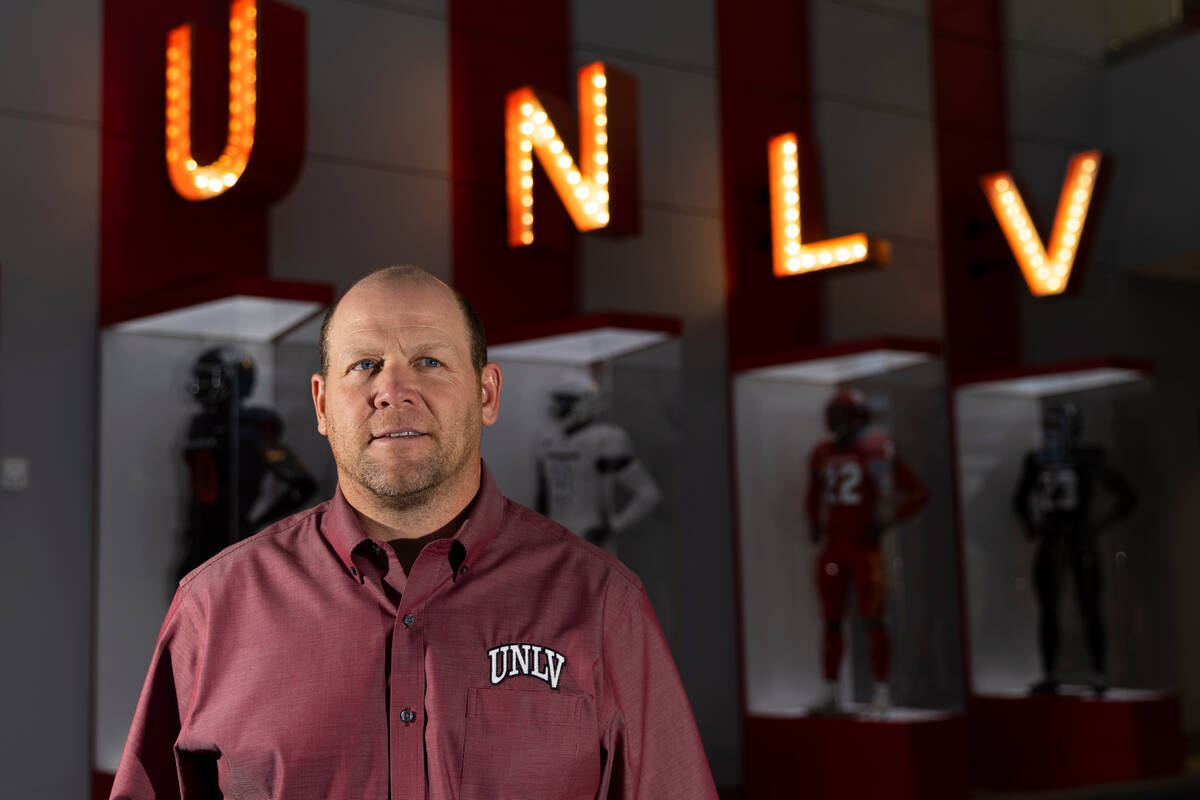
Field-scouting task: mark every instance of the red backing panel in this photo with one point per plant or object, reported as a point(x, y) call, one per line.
point(838, 757)
point(151, 239)
point(764, 89)
point(764, 83)
point(494, 49)
point(102, 784)
point(980, 291)
point(980, 280)
point(1034, 743)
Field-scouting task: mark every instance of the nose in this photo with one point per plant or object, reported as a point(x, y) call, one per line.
point(394, 386)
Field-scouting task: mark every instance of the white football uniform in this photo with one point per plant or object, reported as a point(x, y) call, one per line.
point(581, 472)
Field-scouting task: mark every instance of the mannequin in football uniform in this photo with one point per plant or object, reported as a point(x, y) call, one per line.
point(1054, 500)
point(230, 450)
point(857, 488)
point(588, 478)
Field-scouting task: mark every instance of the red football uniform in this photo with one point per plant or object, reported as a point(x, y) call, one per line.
point(849, 491)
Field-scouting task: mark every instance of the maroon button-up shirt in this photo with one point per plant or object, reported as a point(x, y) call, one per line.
point(515, 661)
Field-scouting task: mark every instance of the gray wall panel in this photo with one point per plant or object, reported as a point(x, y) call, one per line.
point(1153, 139)
point(901, 299)
point(378, 84)
point(50, 57)
point(1075, 28)
point(878, 174)
point(677, 137)
point(902, 9)
point(49, 187)
point(860, 53)
point(344, 219)
point(679, 31)
point(1054, 98)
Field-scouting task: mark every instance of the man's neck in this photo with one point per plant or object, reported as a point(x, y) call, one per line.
point(442, 512)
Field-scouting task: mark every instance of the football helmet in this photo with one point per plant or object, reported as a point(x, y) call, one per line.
point(847, 413)
point(221, 375)
point(1062, 427)
point(575, 401)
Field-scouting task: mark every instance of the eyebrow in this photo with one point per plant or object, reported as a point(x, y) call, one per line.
point(363, 350)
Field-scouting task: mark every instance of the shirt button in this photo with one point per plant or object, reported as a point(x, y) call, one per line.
point(409, 619)
point(407, 715)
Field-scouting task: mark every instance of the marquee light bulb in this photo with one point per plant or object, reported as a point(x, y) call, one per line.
point(1065, 236)
point(578, 183)
point(791, 255)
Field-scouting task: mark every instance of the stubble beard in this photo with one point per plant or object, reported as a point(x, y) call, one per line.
point(395, 487)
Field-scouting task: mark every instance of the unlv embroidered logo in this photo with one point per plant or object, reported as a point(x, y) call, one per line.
point(510, 660)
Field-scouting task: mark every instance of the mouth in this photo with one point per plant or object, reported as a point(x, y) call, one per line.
point(404, 434)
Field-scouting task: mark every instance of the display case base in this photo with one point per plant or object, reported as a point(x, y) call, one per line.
point(903, 753)
point(1022, 742)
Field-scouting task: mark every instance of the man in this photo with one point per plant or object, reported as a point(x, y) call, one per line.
point(418, 635)
point(1054, 501)
point(852, 479)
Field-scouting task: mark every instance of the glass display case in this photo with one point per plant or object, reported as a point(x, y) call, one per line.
point(810, 502)
point(1065, 547)
point(203, 440)
point(589, 435)
point(780, 418)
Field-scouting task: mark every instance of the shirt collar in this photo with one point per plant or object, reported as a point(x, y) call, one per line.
point(346, 535)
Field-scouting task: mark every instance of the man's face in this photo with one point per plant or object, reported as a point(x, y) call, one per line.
point(402, 405)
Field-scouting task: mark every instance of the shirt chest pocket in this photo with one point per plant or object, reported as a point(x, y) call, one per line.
point(529, 744)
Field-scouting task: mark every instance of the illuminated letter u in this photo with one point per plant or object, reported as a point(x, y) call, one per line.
point(204, 181)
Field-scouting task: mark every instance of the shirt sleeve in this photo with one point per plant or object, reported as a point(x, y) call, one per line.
point(149, 765)
point(653, 749)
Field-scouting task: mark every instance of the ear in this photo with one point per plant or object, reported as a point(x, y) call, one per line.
point(489, 386)
point(318, 391)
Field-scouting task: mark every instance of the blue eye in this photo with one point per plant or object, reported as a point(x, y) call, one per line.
point(366, 364)
point(430, 362)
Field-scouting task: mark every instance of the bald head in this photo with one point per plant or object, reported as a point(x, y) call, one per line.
point(410, 276)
